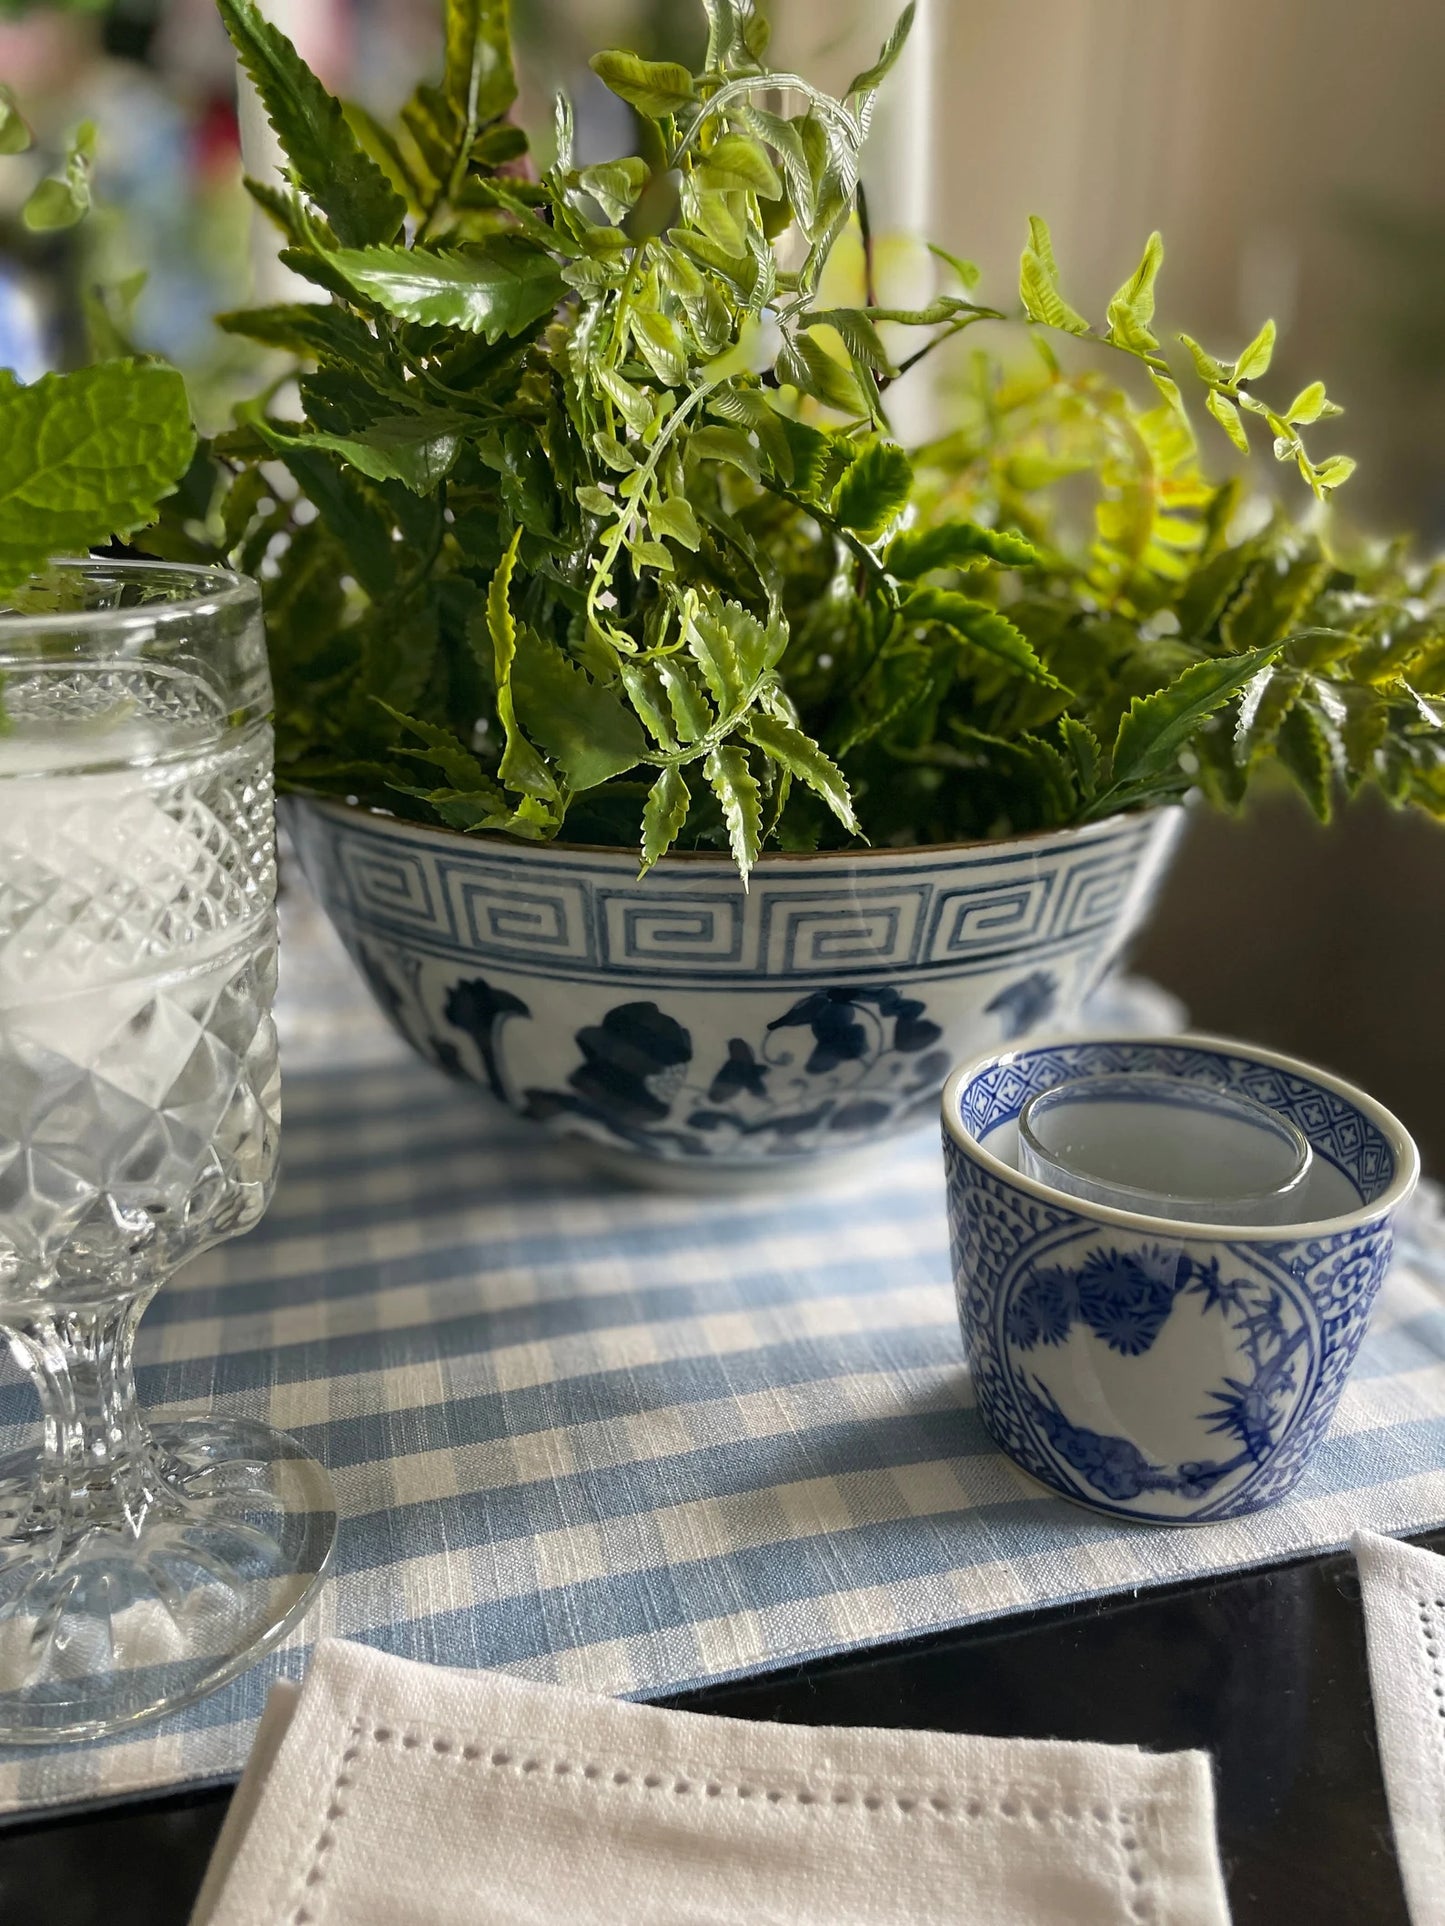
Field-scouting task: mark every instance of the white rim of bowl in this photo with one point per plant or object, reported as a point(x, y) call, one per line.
point(489, 842)
point(1402, 1144)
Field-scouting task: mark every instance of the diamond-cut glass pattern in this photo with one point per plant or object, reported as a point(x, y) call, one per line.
point(139, 1093)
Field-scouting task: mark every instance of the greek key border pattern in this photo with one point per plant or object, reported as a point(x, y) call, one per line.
point(506, 912)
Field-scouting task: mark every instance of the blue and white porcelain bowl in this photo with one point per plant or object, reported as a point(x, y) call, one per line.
point(1171, 1372)
point(707, 1034)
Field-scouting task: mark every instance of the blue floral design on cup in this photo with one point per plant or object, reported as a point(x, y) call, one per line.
point(1165, 1372)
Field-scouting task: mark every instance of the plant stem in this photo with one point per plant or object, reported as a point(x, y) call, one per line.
point(870, 291)
point(602, 574)
point(746, 84)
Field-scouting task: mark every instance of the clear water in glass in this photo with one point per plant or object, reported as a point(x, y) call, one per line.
point(139, 1121)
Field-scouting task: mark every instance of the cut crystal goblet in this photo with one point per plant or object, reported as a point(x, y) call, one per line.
point(140, 1566)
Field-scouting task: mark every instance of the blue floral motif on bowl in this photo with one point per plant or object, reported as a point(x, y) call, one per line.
point(687, 1022)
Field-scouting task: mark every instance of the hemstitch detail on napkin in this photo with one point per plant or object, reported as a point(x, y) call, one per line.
point(1404, 1605)
point(1432, 1632)
point(1018, 1804)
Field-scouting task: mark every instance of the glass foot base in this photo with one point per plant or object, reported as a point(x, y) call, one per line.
point(144, 1596)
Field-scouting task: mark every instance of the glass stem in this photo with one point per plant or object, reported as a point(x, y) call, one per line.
point(97, 1465)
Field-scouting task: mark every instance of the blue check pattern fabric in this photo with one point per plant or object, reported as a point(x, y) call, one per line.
point(633, 1442)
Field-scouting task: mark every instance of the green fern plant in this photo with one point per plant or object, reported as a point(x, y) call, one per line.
point(592, 522)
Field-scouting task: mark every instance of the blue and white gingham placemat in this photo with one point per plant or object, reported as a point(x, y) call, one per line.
point(632, 1442)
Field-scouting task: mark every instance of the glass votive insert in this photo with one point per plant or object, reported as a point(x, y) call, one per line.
point(1165, 1147)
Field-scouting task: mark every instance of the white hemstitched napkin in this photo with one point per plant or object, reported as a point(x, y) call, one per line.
point(1404, 1595)
point(388, 1793)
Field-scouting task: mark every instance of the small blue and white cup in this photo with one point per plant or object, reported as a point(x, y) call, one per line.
point(1154, 1368)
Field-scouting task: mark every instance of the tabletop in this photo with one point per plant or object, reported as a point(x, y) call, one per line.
point(1265, 1669)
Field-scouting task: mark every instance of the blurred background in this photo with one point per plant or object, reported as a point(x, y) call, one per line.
point(1291, 151)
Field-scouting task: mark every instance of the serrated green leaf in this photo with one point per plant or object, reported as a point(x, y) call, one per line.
point(583, 727)
point(1271, 602)
point(1362, 733)
point(110, 317)
point(496, 289)
point(672, 516)
point(615, 185)
point(690, 712)
point(980, 625)
point(1432, 714)
point(648, 697)
point(731, 648)
point(460, 767)
point(653, 87)
point(326, 158)
point(1055, 775)
point(1039, 283)
point(724, 31)
point(856, 331)
point(657, 206)
point(595, 500)
point(1156, 727)
point(311, 329)
point(725, 444)
point(659, 344)
point(868, 81)
point(404, 448)
point(968, 272)
point(746, 408)
point(917, 551)
point(479, 79)
point(349, 513)
point(631, 404)
point(757, 32)
point(663, 815)
point(521, 768)
point(1257, 356)
point(61, 202)
point(14, 133)
point(736, 788)
point(1132, 308)
point(283, 209)
point(734, 162)
point(1267, 699)
point(618, 457)
point(1307, 406)
point(484, 808)
point(787, 143)
point(1085, 752)
point(806, 365)
point(1303, 746)
point(1205, 365)
point(499, 145)
point(873, 490)
point(1227, 415)
point(801, 757)
point(709, 209)
point(564, 131)
point(734, 265)
point(1332, 472)
point(87, 456)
